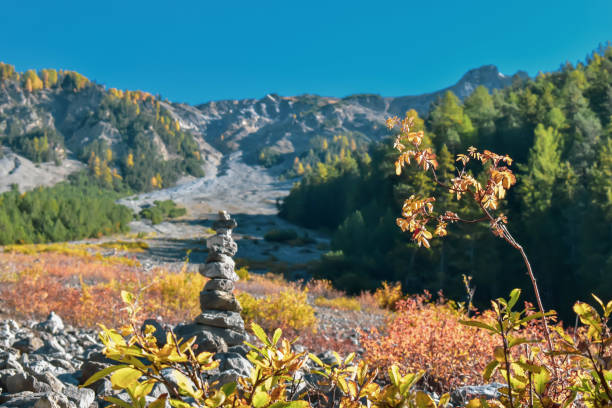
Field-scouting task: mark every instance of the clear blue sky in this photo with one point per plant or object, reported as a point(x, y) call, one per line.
point(196, 51)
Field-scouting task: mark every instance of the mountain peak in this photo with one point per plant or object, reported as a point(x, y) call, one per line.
point(486, 75)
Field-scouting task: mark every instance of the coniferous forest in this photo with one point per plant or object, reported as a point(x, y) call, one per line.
point(558, 129)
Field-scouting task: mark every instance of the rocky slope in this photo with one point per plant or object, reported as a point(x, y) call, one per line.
point(283, 124)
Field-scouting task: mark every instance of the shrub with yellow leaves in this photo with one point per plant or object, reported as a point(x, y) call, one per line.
point(288, 309)
point(274, 382)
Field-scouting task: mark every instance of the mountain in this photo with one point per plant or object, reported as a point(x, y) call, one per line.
point(135, 140)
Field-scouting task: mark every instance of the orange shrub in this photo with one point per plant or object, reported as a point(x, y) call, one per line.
point(423, 335)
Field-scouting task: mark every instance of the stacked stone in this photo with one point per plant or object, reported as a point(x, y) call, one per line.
point(220, 324)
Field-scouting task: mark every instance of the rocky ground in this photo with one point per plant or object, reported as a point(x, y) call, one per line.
point(249, 193)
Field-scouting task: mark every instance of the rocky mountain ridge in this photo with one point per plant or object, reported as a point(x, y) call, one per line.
point(284, 124)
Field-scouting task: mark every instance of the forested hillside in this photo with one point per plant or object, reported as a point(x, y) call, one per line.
point(128, 140)
point(557, 127)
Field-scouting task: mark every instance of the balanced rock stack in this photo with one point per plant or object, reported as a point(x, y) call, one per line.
point(220, 324)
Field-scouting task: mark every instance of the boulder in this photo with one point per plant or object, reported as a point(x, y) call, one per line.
point(205, 340)
point(53, 324)
point(24, 382)
point(28, 344)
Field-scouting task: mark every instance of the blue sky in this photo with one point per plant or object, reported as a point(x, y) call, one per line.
point(196, 51)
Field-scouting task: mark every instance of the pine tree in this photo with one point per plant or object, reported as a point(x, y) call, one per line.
point(541, 170)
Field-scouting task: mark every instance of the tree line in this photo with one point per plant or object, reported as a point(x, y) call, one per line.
point(558, 128)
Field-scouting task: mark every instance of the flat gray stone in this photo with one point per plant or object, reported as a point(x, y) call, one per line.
point(224, 285)
point(222, 244)
point(222, 319)
point(219, 257)
point(218, 300)
point(219, 270)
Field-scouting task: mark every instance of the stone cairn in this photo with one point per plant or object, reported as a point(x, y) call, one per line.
point(220, 324)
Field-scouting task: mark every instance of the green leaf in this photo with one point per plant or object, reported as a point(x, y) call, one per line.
point(229, 388)
point(531, 317)
point(143, 389)
point(160, 402)
point(481, 325)
point(290, 404)
point(260, 334)
point(515, 341)
point(514, 295)
point(127, 297)
point(529, 367)
point(101, 374)
point(176, 403)
point(261, 399)
point(563, 334)
point(489, 370)
point(424, 401)
point(540, 380)
point(316, 359)
point(598, 301)
point(117, 402)
point(277, 335)
point(608, 309)
point(124, 377)
point(216, 399)
point(343, 385)
point(183, 382)
point(444, 399)
point(394, 375)
point(498, 353)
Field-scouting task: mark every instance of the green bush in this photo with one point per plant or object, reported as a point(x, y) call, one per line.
point(162, 211)
point(280, 235)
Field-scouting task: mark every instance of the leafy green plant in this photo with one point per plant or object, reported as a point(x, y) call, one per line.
point(526, 380)
point(356, 386)
point(590, 349)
